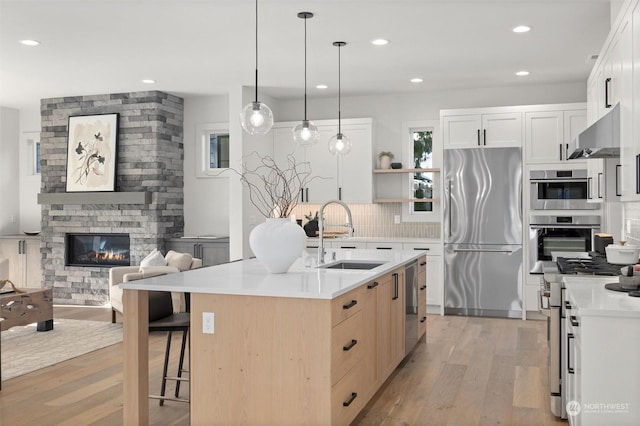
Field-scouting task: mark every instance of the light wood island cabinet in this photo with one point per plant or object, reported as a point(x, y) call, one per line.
point(296, 361)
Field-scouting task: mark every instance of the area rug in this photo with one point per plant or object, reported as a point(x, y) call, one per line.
point(25, 350)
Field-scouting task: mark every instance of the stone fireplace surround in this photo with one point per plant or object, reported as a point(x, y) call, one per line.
point(148, 205)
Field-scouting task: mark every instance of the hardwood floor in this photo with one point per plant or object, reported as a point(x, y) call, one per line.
point(469, 371)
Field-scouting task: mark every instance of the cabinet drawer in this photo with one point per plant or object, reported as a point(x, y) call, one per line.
point(422, 265)
point(348, 397)
point(346, 346)
point(422, 320)
point(346, 305)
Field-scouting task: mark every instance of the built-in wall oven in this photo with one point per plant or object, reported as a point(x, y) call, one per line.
point(559, 233)
point(560, 190)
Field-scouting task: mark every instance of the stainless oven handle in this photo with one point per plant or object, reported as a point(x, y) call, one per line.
point(563, 225)
point(483, 251)
point(589, 196)
point(569, 180)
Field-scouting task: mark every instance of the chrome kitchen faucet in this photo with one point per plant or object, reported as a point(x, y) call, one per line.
point(349, 225)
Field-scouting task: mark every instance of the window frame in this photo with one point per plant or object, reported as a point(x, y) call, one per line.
point(408, 127)
point(203, 152)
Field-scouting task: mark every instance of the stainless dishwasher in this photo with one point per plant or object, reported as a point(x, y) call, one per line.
point(411, 306)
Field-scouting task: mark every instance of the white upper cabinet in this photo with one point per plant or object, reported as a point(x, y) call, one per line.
point(549, 135)
point(347, 178)
point(490, 130)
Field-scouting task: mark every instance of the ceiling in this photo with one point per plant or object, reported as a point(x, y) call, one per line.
point(204, 47)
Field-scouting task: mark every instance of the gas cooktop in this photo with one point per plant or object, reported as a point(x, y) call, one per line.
point(595, 265)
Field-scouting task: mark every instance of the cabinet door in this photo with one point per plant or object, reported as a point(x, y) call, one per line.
point(630, 106)
point(595, 180)
point(434, 280)
point(544, 138)
point(574, 122)
point(10, 248)
point(461, 131)
point(324, 167)
point(592, 101)
point(502, 130)
point(355, 178)
point(214, 253)
point(398, 312)
point(370, 324)
point(383, 352)
point(32, 263)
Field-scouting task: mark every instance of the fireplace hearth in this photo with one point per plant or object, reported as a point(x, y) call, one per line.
point(97, 250)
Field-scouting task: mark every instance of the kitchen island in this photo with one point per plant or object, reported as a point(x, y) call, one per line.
point(307, 347)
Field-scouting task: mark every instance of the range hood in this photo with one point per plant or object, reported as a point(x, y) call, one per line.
point(601, 139)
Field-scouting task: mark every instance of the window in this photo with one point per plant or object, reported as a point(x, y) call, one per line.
point(212, 153)
point(422, 151)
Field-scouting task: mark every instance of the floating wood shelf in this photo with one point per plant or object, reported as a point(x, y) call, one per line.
point(406, 200)
point(430, 170)
point(143, 197)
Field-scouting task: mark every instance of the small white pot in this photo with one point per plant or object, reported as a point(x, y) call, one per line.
point(385, 162)
point(622, 255)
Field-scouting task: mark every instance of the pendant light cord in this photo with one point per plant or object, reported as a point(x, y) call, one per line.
point(339, 91)
point(305, 68)
point(256, 89)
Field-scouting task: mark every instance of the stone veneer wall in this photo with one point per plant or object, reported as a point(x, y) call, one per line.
point(150, 158)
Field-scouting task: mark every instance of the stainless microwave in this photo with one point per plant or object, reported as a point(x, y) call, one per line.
point(560, 190)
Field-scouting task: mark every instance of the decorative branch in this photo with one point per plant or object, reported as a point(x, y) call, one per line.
point(273, 190)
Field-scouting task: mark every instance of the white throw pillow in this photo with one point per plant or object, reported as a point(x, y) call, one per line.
point(155, 258)
point(182, 261)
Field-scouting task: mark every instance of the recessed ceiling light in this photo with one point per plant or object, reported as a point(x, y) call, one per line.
point(521, 29)
point(148, 81)
point(416, 80)
point(522, 73)
point(30, 42)
point(321, 86)
point(380, 42)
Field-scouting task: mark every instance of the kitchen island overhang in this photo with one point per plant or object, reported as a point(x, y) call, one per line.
point(271, 356)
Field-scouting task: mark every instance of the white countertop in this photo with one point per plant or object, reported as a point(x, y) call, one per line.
point(303, 280)
point(588, 295)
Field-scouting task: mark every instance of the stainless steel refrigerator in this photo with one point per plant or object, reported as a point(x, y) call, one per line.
point(483, 232)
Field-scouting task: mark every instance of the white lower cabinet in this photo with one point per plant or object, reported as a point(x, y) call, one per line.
point(602, 368)
point(435, 281)
point(23, 254)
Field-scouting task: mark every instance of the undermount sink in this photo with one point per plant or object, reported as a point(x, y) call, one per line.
point(352, 264)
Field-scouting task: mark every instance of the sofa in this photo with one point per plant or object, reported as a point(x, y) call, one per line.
point(174, 263)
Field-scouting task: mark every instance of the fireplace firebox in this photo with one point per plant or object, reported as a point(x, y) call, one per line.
point(101, 250)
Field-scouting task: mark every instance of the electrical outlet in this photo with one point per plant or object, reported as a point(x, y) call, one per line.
point(396, 219)
point(208, 321)
point(14, 219)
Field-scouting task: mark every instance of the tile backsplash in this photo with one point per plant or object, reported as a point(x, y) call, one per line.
point(372, 220)
point(632, 216)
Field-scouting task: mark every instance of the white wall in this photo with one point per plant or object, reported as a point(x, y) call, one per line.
point(9, 170)
point(205, 199)
point(30, 211)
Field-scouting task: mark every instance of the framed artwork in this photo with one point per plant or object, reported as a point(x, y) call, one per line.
point(91, 153)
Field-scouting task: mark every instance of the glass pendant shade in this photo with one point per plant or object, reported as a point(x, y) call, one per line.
point(305, 133)
point(256, 118)
point(339, 144)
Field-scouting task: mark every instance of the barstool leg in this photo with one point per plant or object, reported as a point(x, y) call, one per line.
point(181, 362)
point(165, 368)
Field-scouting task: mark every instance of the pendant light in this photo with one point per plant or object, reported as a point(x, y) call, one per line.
point(256, 117)
point(339, 144)
point(305, 133)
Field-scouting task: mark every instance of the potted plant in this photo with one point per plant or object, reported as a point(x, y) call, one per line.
point(385, 158)
point(311, 227)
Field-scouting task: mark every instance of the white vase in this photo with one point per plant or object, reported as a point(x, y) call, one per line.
point(277, 243)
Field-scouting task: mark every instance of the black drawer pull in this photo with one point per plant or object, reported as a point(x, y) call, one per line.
point(424, 287)
point(423, 319)
point(348, 247)
point(423, 263)
point(420, 248)
point(372, 285)
point(569, 367)
point(384, 248)
point(567, 305)
point(350, 345)
point(350, 400)
point(574, 321)
point(350, 304)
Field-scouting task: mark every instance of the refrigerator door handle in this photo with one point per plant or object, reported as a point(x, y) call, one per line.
point(484, 251)
point(450, 206)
